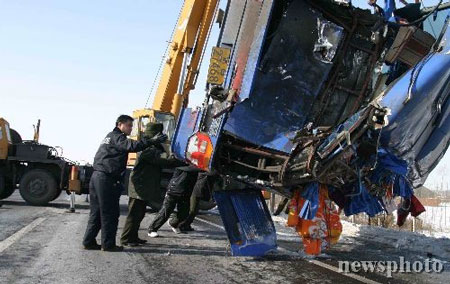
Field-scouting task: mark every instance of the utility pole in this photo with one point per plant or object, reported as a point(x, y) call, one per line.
point(36, 131)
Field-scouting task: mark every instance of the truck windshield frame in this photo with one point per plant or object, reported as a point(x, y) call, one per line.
point(8, 133)
point(168, 122)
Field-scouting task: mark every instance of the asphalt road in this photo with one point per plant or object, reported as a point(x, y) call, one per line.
point(43, 245)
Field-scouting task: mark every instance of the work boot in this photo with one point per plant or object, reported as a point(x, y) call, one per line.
point(93, 246)
point(187, 229)
point(175, 229)
point(113, 249)
point(141, 241)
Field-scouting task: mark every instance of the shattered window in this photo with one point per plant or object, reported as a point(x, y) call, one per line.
point(329, 36)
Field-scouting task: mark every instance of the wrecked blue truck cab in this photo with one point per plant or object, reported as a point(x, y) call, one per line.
point(319, 92)
point(300, 70)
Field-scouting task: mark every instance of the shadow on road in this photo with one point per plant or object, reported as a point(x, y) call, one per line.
point(59, 205)
point(166, 249)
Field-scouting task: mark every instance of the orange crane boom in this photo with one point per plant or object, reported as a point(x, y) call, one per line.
point(185, 52)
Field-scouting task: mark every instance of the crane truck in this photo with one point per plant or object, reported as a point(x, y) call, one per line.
point(38, 170)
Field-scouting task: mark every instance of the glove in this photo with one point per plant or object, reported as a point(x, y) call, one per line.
point(158, 138)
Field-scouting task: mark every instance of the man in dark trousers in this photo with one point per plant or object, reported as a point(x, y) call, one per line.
point(105, 185)
point(202, 191)
point(178, 194)
point(144, 185)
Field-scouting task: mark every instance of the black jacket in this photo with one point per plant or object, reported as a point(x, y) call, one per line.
point(146, 176)
point(183, 181)
point(112, 155)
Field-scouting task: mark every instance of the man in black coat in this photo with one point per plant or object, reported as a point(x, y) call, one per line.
point(203, 190)
point(105, 185)
point(144, 187)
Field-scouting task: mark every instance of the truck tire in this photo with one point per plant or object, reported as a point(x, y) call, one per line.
point(6, 187)
point(38, 187)
point(58, 193)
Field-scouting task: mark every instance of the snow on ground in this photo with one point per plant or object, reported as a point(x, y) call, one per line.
point(437, 245)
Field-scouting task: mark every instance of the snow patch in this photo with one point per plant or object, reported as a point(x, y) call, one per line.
point(438, 244)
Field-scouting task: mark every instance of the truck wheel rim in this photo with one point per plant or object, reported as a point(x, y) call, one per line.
point(37, 187)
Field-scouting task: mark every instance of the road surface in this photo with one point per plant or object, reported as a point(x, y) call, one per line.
point(43, 245)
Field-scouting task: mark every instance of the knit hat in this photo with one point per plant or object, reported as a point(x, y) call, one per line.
point(153, 128)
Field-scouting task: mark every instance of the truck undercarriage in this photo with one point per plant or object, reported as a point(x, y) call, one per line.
point(319, 98)
point(319, 68)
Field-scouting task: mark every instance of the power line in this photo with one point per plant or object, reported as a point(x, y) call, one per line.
point(163, 58)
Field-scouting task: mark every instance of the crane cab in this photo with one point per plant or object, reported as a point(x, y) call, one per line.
point(144, 116)
point(5, 138)
point(141, 118)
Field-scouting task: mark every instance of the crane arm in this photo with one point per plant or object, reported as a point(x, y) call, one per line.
point(189, 39)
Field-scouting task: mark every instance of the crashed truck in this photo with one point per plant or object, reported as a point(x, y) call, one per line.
point(318, 100)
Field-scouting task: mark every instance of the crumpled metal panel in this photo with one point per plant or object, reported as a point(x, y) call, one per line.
point(340, 104)
point(418, 130)
point(248, 223)
point(285, 84)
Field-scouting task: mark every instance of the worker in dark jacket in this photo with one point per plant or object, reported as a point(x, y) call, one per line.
point(178, 194)
point(105, 184)
point(144, 185)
